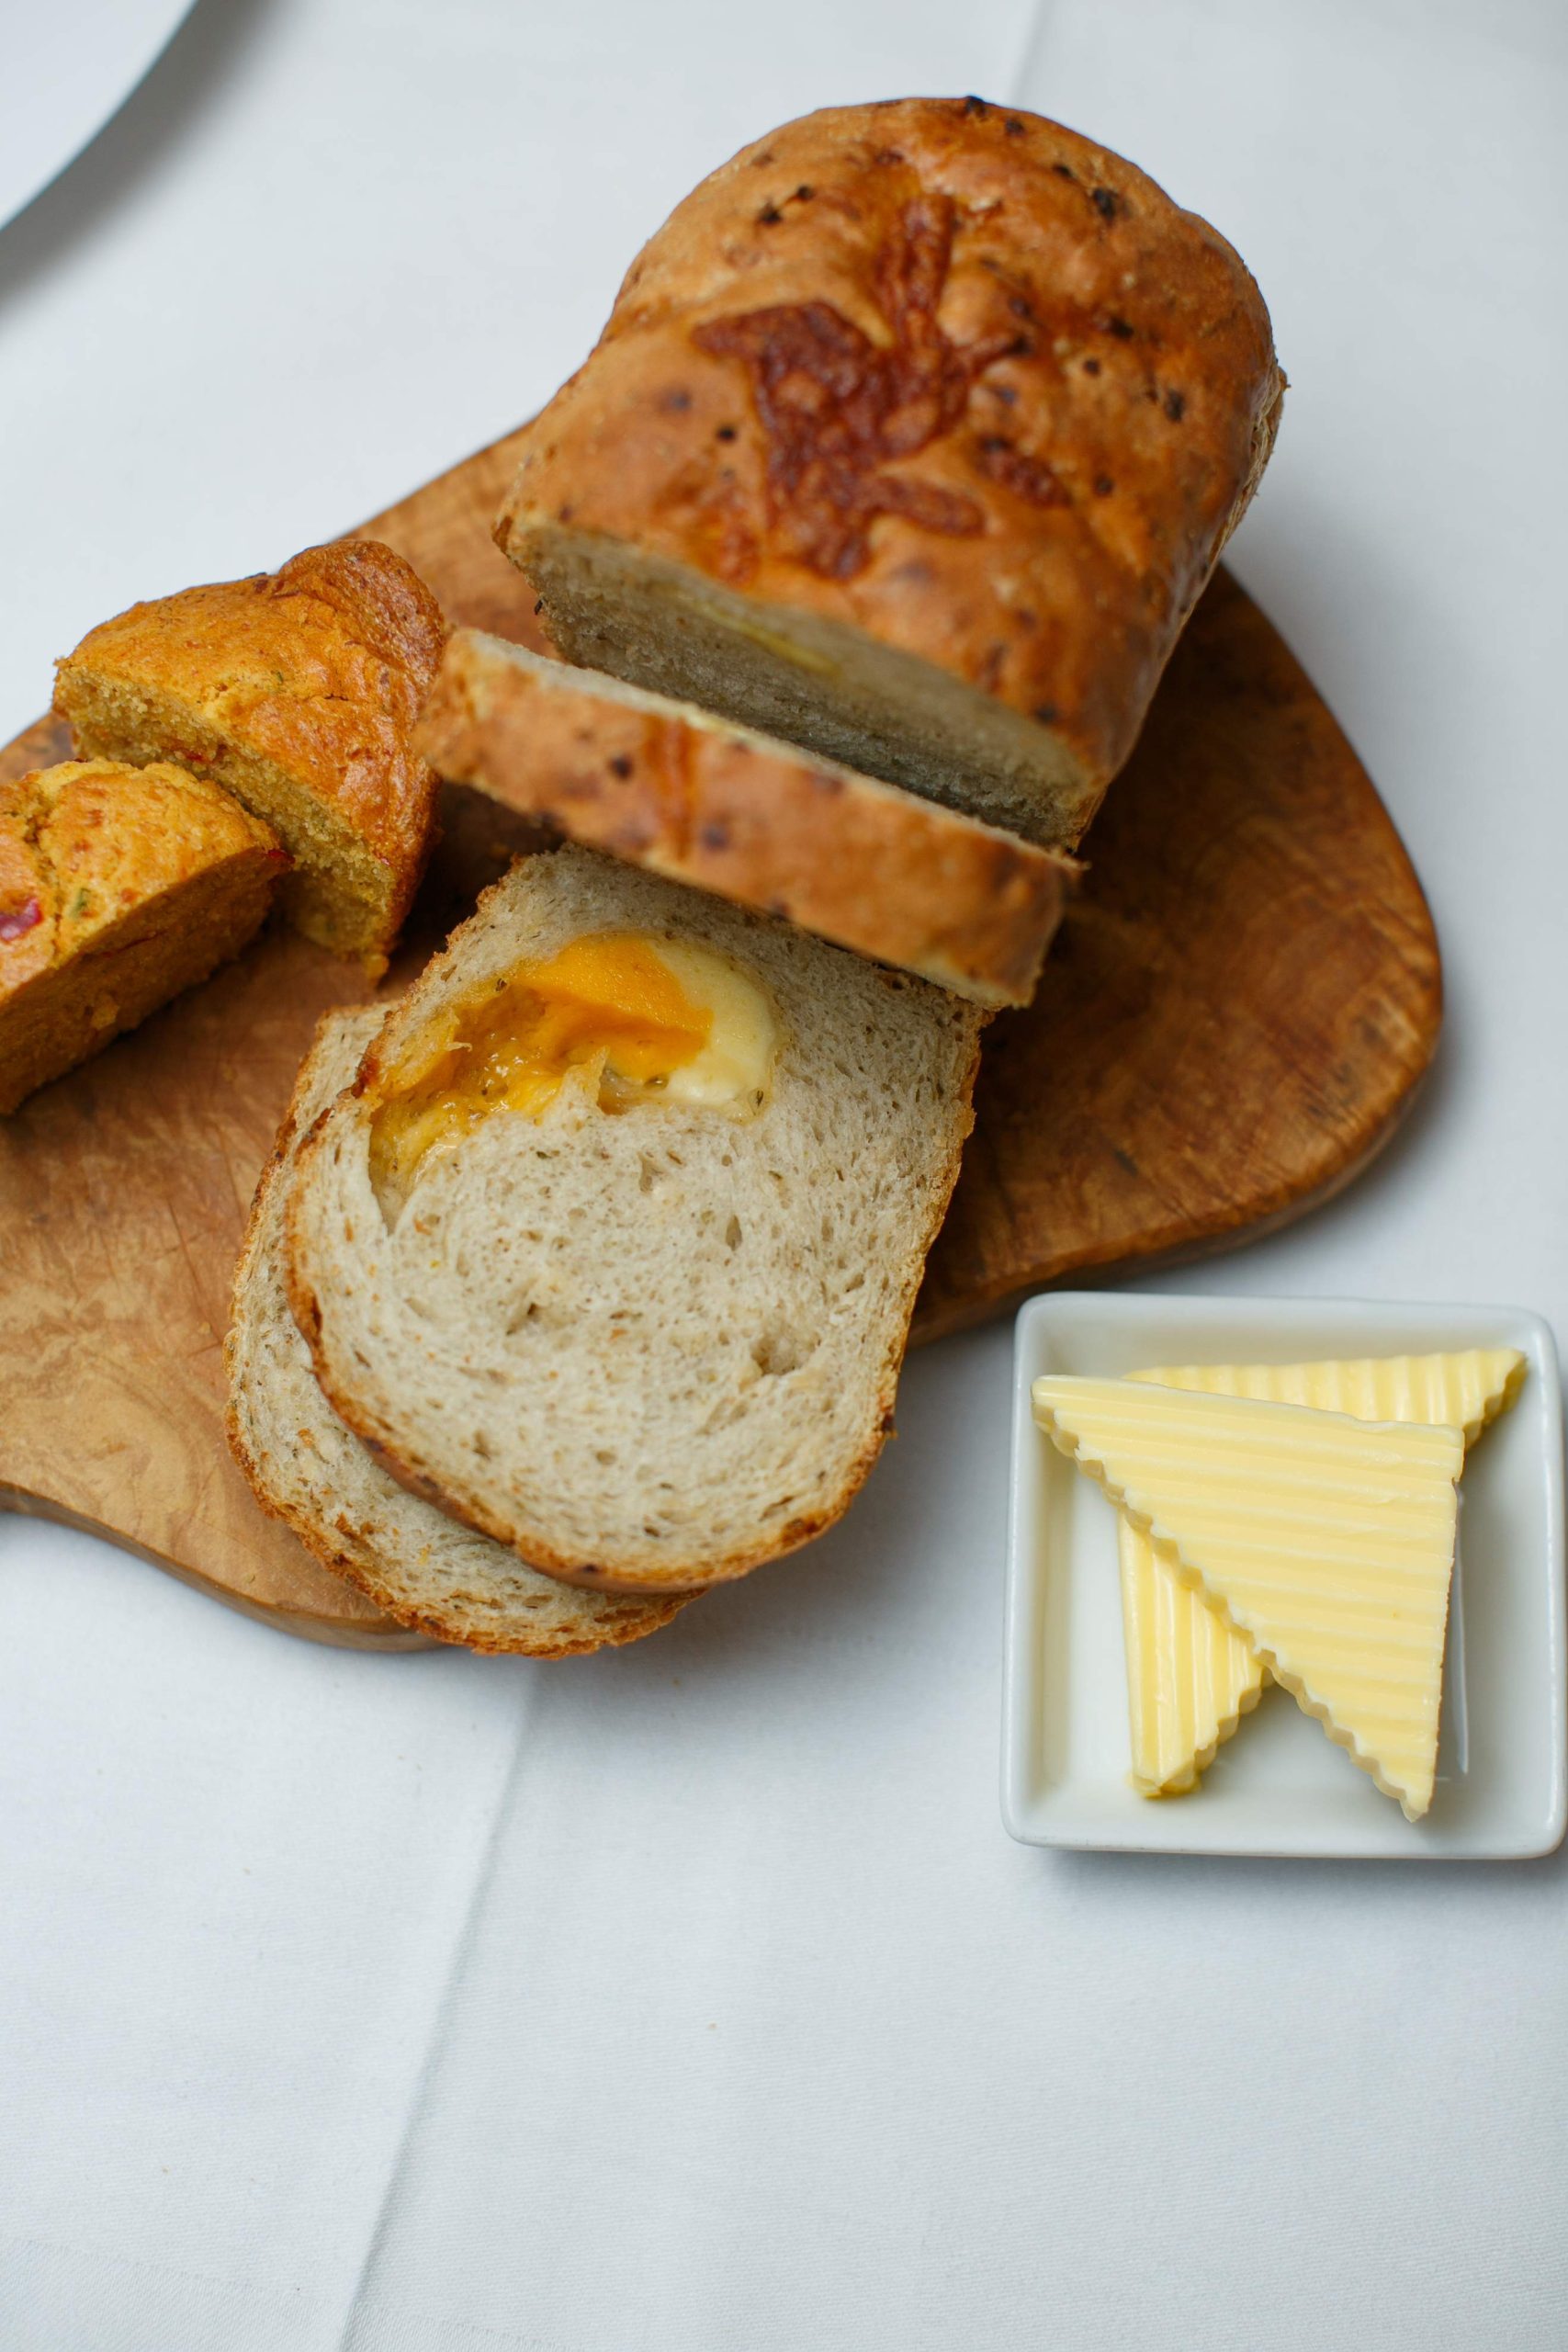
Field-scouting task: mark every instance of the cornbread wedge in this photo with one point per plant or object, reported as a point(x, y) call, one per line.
point(297, 691)
point(118, 887)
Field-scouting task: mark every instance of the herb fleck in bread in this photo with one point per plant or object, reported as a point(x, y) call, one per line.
point(912, 437)
point(692, 797)
point(297, 691)
point(424, 1569)
point(118, 887)
point(650, 1349)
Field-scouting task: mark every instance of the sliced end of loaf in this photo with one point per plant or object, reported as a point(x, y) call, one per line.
point(833, 690)
point(669, 786)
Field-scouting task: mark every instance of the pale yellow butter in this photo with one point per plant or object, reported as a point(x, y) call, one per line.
point(734, 1066)
point(1326, 1542)
point(1190, 1678)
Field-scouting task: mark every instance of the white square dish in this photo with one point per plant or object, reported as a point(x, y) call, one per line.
point(1280, 1787)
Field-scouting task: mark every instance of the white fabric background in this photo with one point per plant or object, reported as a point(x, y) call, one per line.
point(692, 1997)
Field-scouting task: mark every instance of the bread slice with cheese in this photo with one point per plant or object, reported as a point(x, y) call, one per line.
point(913, 437)
point(669, 786)
point(424, 1567)
point(610, 1249)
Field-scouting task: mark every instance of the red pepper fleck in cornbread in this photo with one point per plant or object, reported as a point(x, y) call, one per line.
point(119, 887)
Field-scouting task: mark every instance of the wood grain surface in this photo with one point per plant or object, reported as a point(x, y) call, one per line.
point(1234, 1015)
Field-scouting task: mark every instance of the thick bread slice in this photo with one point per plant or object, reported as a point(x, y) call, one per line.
point(424, 1569)
point(912, 437)
point(650, 1349)
point(669, 786)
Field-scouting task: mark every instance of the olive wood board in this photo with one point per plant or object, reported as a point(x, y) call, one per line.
point(1241, 1000)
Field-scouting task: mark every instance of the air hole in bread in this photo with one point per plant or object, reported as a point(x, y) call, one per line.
point(779, 1351)
point(732, 1234)
point(483, 1447)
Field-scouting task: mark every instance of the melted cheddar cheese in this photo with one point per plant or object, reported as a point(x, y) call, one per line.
point(642, 1020)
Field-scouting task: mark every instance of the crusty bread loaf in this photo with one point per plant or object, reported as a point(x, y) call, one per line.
point(668, 786)
point(650, 1349)
point(118, 887)
point(425, 1568)
point(913, 436)
point(297, 691)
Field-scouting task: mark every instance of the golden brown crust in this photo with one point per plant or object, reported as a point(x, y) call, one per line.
point(318, 669)
point(355, 1565)
point(943, 372)
point(862, 863)
point(119, 886)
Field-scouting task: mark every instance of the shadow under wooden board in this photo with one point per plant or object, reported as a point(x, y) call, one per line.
point(1234, 1014)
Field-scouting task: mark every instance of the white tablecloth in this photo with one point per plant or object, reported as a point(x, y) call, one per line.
point(692, 1998)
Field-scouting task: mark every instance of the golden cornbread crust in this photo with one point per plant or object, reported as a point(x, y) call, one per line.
point(119, 887)
point(297, 691)
point(940, 373)
point(660, 785)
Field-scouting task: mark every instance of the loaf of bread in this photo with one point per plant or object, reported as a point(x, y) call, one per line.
point(297, 691)
point(119, 886)
point(424, 1567)
point(912, 437)
point(667, 787)
point(648, 1342)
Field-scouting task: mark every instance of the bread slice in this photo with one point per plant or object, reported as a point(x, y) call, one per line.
point(118, 887)
point(649, 1348)
point(912, 437)
point(424, 1569)
point(298, 692)
point(668, 786)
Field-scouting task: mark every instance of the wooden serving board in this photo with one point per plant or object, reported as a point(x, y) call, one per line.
point(1234, 1015)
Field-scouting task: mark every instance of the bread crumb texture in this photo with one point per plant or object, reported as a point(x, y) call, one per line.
point(425, 1568)
point(649, 1348)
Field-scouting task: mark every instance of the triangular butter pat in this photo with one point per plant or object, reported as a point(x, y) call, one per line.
point(1465, 1389)
point(1190, 1678)
point(1326, 1542)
